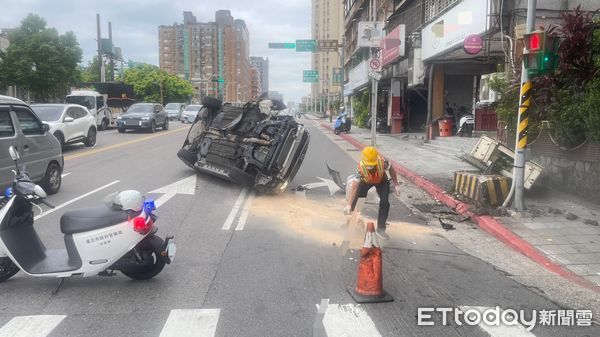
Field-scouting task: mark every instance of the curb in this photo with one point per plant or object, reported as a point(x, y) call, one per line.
point(485, 222)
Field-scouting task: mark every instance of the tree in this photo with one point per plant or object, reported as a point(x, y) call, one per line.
point(39, 59)
point(90, 72)
point(148, 81)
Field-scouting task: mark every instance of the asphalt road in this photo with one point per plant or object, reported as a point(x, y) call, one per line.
point(251, 265)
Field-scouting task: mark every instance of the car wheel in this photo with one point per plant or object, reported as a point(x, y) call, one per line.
point(152, 128)
point(91, 137)
point(211, 102)
point(52, 179)
point(61, 139)
point(121, 130)
point(104, 124)
point(165, 125)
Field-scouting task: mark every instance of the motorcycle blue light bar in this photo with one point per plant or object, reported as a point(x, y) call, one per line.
point(149, 206)
point(8, 192)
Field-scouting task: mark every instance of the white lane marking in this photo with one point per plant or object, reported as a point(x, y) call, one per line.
point(31, 326)
point(234, 210)
point(244, 215)
point(348, 320)
point(500, 330)
point(183, 186)
point(76, 199)
point(191, 322)
point(65, 174)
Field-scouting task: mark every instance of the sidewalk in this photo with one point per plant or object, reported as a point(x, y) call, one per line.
point(558, 231)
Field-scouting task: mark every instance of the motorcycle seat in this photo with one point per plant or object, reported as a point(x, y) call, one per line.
point(87, 219)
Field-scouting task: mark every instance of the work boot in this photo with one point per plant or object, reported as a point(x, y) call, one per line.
point(381, 232)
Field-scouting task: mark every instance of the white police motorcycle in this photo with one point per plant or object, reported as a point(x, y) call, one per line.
point(120, 236)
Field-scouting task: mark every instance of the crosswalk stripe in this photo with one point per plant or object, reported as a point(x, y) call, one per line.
point(347, 321)
point(31, 326)
point(500, 330)
point(191, 322)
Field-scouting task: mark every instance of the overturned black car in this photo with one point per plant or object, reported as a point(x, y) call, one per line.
point(250, 145)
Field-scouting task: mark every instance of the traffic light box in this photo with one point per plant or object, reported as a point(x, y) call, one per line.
point(541, 53)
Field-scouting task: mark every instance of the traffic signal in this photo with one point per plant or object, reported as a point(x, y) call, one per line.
point(541, 52)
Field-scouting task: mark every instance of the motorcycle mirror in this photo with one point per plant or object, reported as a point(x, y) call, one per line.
point(39, 191)
point(14, 154)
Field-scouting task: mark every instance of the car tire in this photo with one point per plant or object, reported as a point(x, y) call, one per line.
point(104, 124)
point(52, 180)
point(60, 137)
point(121, 130)
point(212, 102)
point(152, 127)
point(165, 125)
point(90, 140)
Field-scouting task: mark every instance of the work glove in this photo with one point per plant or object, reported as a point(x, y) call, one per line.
point(397, 190)
point(347, 210)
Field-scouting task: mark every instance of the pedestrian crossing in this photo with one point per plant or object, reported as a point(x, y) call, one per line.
point(338, 320)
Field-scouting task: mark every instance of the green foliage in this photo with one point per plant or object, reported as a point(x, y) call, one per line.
point(91, 73)
point(39, 59)
point(147, 81)
point(569, 98)
point(360, 107)
point(591, 107)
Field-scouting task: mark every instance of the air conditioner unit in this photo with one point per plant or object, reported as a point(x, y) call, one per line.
point(486, 94)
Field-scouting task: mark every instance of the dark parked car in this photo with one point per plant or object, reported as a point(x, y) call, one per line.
point(250, 145)
point(147, 116)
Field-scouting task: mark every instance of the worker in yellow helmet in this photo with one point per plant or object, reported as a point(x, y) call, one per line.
point(375, 171)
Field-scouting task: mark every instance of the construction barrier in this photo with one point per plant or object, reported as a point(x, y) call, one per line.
point(486, 190)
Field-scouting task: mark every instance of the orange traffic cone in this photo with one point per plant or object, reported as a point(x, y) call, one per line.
point(369, 285)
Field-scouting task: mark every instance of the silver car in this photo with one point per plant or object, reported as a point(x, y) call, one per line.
point(40, 151)
point(174, 110)
point(189, 114)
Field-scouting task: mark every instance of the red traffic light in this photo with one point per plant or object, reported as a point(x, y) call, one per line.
point(535, 41)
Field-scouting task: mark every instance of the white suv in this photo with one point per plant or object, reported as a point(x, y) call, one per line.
point(69, 123)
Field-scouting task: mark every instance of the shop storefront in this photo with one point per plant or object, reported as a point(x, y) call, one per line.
point(458, 49)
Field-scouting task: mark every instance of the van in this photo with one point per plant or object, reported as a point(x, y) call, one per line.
point(39, 150)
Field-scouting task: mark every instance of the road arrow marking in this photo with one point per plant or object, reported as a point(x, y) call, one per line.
point(183, 186)
point(74, 200)
point(330, 184)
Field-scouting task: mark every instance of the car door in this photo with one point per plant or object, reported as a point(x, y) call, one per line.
point(35, 145)
point(8, 138)
point(81, 122)
point(161, 114)
point(70, 128)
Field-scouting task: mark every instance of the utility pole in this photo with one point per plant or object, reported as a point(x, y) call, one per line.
point(374, 85)
point(99, 38)
point(112, 62)
point(524, 104)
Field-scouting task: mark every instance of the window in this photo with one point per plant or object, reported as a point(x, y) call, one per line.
point(30, 125)
point(99, 102)
point(6, 126)
point(80, 113)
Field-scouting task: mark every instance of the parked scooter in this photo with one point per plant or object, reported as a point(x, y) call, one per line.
point(98, 241)
point(466, 125)
point(342, 123)
point(381, 125)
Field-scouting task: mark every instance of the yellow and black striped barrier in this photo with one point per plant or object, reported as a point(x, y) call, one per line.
point(524, 114)
point(486, 190)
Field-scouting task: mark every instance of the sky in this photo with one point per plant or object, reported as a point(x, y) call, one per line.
point(135, 28)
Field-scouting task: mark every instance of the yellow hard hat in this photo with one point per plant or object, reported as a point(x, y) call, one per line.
point(369, 156)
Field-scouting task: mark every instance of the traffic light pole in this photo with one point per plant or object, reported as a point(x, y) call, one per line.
point(523, 119)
